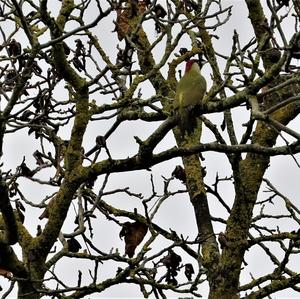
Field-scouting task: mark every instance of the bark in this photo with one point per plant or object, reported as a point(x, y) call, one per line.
point(192, 165)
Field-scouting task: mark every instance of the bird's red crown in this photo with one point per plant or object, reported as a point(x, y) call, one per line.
point(189, 64)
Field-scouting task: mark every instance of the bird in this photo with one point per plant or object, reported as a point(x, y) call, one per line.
point(190, 91)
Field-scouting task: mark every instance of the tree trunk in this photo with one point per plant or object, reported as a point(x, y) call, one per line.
point(27, 291)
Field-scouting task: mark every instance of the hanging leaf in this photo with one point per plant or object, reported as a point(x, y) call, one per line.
point(66, 48)
point(38, 230)
point(45, 213)
point(133, 234)
point(142, 6)
point(25, 171)
point(38, 157)
point(171, 262)
point(14, 48)
point(127, 13)
point(222, 240)
point(189, 271)
point(25, 116)
point(160, 12)
point(122, 24)
point(179, 173)
point(73, 245)
point(20, 207)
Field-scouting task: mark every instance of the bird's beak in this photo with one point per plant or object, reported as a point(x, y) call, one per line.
point(202, 62)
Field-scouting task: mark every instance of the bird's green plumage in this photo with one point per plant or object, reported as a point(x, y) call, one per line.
point(190, 91)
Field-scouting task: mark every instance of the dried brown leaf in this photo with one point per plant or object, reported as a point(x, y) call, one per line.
point(189, 271)
point(133, 233)
point(5, 273)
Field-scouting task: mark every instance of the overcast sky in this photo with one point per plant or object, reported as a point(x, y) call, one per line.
point(176, 212)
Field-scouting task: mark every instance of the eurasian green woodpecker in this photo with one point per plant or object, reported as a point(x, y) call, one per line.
point(190, 91)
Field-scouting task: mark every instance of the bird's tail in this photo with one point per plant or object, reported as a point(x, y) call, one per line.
point(188, 121)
